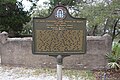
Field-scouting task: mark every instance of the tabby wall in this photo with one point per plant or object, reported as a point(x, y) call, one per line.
point(18, 52)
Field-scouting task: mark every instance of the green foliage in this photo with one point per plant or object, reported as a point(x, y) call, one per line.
point(27, 29)
point(12, 17)
point(41, 13)
point(94, 14)
point(102, 16)
point(10, 1)
point(114, 57)
point(114, 65)
point(63, 2)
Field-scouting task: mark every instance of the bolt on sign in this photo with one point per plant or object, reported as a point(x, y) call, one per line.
point(59, 34)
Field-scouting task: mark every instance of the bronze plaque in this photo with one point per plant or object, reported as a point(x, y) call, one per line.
point(59, 34)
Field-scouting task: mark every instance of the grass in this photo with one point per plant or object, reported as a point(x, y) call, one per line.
point(44, 70)
point(71, 74)
point(77, 74)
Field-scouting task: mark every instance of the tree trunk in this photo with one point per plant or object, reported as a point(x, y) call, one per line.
point(114, 29)
point(105, 27)
point(94, 30)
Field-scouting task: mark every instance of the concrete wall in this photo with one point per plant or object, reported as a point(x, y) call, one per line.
point(18, 52)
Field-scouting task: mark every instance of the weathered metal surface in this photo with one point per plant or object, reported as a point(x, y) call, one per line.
point(59, 34)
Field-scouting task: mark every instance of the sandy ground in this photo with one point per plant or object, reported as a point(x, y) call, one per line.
point(20, 73)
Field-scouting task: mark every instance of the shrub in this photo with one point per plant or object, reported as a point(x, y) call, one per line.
point(114, 57)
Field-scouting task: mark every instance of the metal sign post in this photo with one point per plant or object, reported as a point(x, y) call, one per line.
point(59, 67)
point(59, 35)
point(59, 72)
point(59, 59)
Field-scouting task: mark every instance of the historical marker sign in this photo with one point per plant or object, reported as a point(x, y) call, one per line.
point(59, 34)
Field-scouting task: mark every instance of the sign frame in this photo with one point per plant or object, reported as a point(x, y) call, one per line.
point(59, 52)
